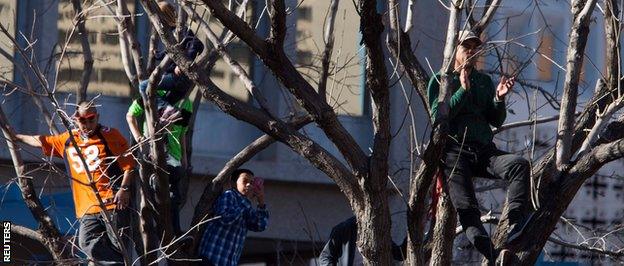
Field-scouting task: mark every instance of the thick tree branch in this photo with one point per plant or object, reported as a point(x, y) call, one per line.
point(278, 23)
point(215, 188)
point(444, 230)
point(582, 10)
point(48, 229)
point(288, 75)
point(243, 76)
point(157, 153)
point(422, 179)
point(374, 183)
point(277, 129)
point(411, 65)
point(612, 43)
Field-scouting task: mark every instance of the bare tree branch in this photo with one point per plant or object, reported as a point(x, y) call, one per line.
point(48, 229)
point(492, 6)
point(127, 29)
point(527, 123)
point(243, 76)
point(612, 31)
point(444, 230)
point(328, 38)
point(374, 184)
point(286, 72)
point(615, 254)
point(278, 23)
point(582, 11)
point(157, 154)
point(422, 179)
point(87, 57)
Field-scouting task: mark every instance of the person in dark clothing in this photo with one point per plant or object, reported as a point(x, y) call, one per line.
point(474, 106)
point(341, 247)
point(174, 83)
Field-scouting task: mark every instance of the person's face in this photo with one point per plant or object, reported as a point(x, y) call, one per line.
point(87, 123)
point(243, 184)
point(466, 53)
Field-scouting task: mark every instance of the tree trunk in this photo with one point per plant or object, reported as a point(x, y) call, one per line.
point(374, 239)
point(444, 231)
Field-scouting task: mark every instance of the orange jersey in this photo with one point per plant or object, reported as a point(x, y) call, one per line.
point(99, 163)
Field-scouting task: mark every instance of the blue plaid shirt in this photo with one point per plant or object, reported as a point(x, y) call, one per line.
point(222, 243)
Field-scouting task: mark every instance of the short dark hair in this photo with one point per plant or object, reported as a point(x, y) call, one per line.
point(238, 172)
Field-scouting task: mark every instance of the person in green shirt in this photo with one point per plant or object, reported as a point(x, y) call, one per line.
point(176, 130)
point(474, 107)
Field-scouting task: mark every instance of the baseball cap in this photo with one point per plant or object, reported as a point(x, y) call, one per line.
point(465, 35)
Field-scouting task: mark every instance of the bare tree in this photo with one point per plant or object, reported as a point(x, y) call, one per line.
point(586, 140)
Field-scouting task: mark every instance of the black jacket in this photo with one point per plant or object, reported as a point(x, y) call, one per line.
point(191, 45)
point(342, 240)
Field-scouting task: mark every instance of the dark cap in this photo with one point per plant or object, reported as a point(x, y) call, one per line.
point(465, 35)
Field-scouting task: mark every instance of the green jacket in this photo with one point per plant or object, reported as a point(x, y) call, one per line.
point(176, 131)
point(471, 111)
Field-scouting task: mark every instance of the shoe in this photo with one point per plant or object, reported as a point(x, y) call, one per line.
point(514, 231)
point(169, 114)
point(505, 258)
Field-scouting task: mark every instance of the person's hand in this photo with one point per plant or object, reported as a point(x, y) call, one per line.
point(122, 199)
point(464, 78)
point(259, 194)
point(504, 87)
point(177, 71)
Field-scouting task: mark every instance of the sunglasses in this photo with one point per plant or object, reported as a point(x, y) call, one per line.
point(86, 118)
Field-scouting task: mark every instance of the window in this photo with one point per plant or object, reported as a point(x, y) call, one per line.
point(108, 76)
point(304, 13)
point(304, 58)
point(544, 57)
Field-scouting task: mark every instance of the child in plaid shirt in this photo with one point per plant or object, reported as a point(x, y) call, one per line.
point(223, 240)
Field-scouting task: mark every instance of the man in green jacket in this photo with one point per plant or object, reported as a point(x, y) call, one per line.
point(476, 105)
point(176, 130)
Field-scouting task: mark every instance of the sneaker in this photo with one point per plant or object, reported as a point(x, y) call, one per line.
point(505, 258)
point(515, 230)
point(169, 114)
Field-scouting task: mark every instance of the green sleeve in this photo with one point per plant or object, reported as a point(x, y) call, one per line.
point(432, 94)
point(187, 105)
point(455, 103)
point(497, 111)
point(135, 108)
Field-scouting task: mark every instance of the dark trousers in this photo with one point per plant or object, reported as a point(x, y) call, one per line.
point(462, 163)
point(177, 194)
point(98, 241)
point(174, 86)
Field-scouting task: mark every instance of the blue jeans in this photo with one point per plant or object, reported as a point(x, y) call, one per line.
point(175, 88)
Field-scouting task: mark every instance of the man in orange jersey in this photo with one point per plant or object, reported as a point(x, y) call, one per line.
point(107, 170)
